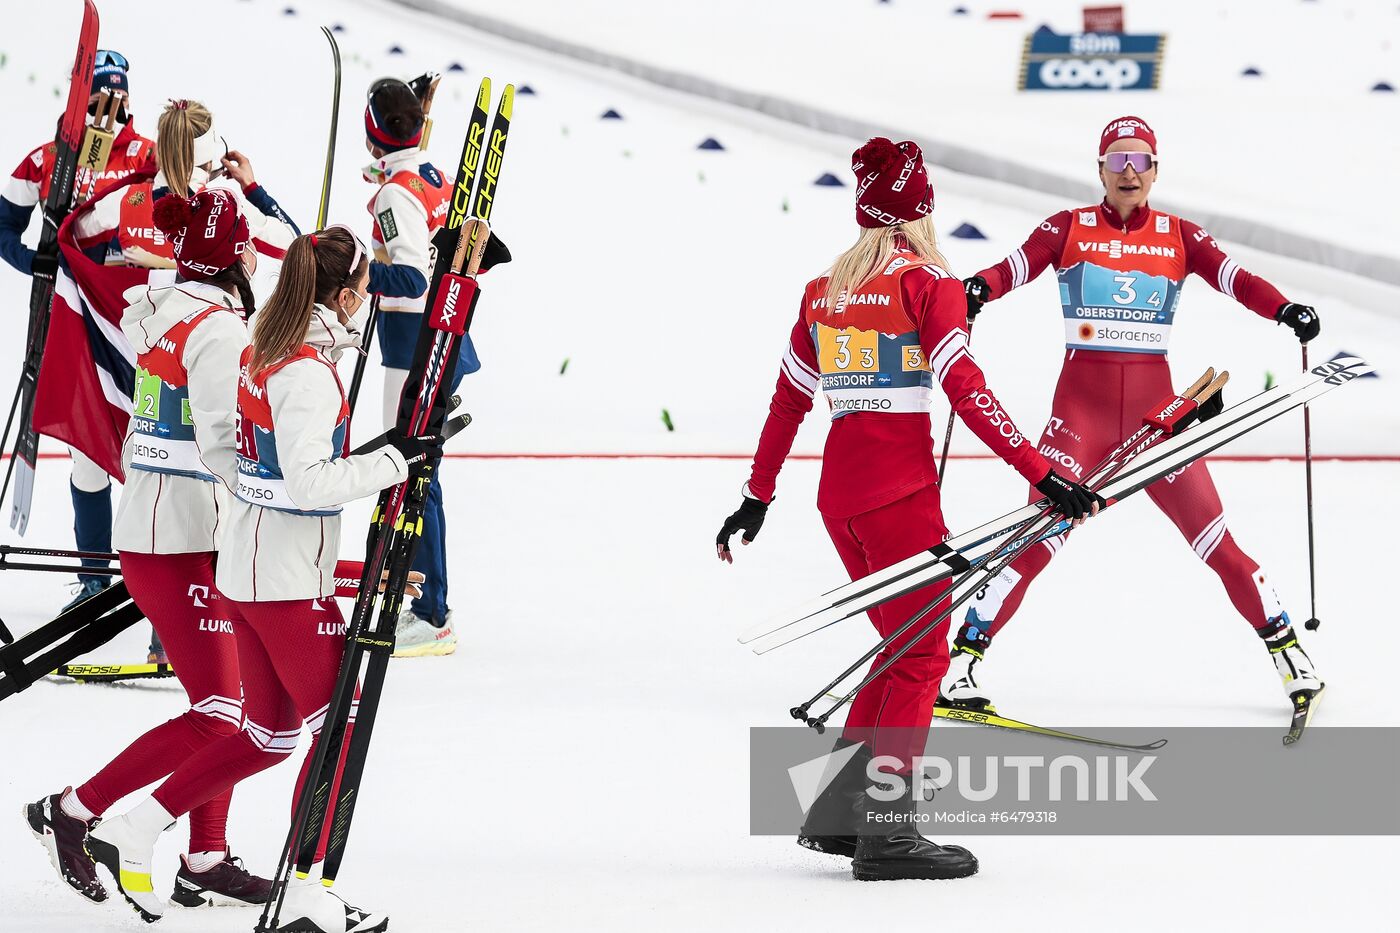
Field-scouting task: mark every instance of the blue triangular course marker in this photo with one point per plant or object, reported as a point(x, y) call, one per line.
point(1342, 353)
point(1251, 72)
point(338, 27)
point(967, 231)
point(1383, 86)
point(524, 91)
point(712, 144)
point(828, 180)
point(456, 66)
point(959, 11)
point(610, 114)
point(395, 50)
point(289, 11)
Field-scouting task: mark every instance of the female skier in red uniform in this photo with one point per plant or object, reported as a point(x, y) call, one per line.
point(873, 334)
point(276, 560)
point(1121, 267)
point(188, 337)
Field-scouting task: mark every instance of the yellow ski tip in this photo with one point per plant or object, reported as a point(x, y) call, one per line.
point(483, 94)
point(508, 101)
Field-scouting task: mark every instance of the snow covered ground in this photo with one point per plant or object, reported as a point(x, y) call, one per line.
point(1229, 143)
point(535, 780)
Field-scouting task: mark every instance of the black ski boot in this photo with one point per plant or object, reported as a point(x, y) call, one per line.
point(62, 837)
point(830, 825)
point(889, 846)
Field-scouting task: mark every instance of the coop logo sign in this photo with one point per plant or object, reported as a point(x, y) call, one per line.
point(1091, 62)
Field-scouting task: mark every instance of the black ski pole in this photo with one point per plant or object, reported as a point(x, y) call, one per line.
point(366, 342)
point(948, 433)
point(1313, 622)
point(1018, 542)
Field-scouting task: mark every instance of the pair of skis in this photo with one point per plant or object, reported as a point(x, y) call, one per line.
point(397, 521)
point(57, 203)
point(1138, 470)
point(87, 626)
point(976, 561)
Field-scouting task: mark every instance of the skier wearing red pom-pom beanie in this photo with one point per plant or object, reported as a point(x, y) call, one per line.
point(179, 454)
point(873, 334)
point(1121, 267)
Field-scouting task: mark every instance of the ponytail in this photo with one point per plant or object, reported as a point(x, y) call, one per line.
point(235, 279)
point(316, 268)
point(179, 125)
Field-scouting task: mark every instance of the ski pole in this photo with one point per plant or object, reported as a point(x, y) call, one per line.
point(366, 341)
point(1313, 622)
point(948, 433)
point(1018, 542)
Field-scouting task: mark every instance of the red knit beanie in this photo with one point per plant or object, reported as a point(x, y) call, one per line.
point(1127, 128)
point(893, 184)
point(207, 231)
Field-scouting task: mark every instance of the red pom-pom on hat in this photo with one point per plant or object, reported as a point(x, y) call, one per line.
point(877, 155)
point(172, 214)
point(893, 186)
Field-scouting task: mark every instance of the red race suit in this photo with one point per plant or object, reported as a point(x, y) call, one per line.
point(1120, 284)
point(876, 357)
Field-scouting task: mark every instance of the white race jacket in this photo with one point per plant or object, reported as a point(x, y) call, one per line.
point(166, 514)
point(267, 555)
point(411, 245)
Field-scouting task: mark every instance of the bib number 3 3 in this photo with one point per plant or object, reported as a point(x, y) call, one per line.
point(849, 350)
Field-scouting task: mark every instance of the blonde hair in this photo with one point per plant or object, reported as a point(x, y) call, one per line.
point(874, 249)
point(180, 123)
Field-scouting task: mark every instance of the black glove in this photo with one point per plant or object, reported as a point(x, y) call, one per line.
point(1211, 406)
point(416, 450)
point(1069, 498)
point(1302, 318)
point(46, 266)
point(495, 254)
point(748, 519)
point(977, 291)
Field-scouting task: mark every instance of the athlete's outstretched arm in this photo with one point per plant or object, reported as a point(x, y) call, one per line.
point(1205, 258)
point(1040, 251)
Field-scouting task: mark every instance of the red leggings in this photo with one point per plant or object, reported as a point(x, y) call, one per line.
point(892, 714)
point(173, 590)
point(1101, 399)
point(290, 654)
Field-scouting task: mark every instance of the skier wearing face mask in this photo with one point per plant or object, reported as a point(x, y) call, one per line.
point(29, 186)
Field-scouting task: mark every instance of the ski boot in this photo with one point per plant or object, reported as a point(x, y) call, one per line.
point(960, 689)
point(1295, 668)
point(62, 836)
point(227, 884)
point(310, 907)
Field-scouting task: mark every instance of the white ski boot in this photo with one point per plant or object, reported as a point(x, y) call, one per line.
point(125, 846)
point(416, 637)
point(1293, 664)
point(310, 907)
point(960, 689)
